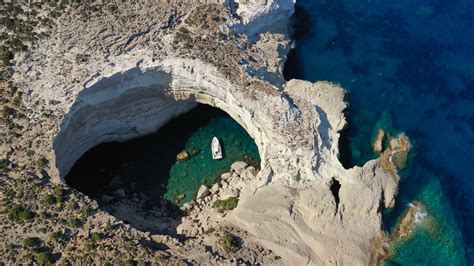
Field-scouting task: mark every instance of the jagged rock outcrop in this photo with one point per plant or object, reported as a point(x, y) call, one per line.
point(123, 75)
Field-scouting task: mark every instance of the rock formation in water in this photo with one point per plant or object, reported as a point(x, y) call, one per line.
point(117, 71)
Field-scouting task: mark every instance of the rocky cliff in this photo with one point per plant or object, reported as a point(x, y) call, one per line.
point(123, 70)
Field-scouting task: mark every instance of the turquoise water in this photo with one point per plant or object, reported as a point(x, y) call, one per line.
point(408, 65)
point(150, 162)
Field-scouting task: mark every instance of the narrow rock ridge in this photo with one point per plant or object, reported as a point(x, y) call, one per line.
point(139, 76)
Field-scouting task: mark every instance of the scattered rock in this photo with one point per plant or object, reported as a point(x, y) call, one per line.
point(182, 156)
point(202, 192)
point(189, 205)
point(238, 166)
point(225, 176)
point(215, 188)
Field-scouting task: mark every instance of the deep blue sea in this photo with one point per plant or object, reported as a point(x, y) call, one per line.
point(407, 66)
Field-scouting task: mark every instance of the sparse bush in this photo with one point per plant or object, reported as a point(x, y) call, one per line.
point(210, 231)
point(43, 258)
point(48, 200)
point(226, 205)
point(54, 236)
point(59, 194)
point(108, 226)
point(44, 215)
point(4, 164)
point(31, 242)
point(73, 222)
point(17, 213)
point(183, 36)
point(42, 162)
point(6, 56)
point(95, 236)
point(230, 243)
point(86, 211)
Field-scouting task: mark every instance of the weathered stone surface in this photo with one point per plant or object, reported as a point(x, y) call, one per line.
point(202, 192)
point(238, 166)
point(141, 72)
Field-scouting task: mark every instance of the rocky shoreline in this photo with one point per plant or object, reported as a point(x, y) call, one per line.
point(117, 71)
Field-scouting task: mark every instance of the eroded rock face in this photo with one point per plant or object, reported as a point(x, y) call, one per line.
point(136, 81)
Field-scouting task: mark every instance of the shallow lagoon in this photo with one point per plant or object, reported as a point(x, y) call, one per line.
point(407, 65)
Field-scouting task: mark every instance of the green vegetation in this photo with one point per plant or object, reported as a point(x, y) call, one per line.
point(59, 194)
point(183, 36)
point(42, 162)
point(5, 55)
point(49, 200)
point(210, 231)
point(31, 242)
point(17, 213)
point(226, 205)
point(86, 211)
point(230, 243)
point(54, 236)
point(4, 164)
point(94, 237)
point(73, 222)
point(108, 226)
point(43, 258)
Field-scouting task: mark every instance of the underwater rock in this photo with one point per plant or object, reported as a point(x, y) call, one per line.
point(107, 198)
point(194, 151)
point(120, 193)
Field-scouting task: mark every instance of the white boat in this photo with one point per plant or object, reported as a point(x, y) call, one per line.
point(216, 149)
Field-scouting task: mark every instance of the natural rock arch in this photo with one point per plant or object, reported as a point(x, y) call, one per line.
point(134, 103)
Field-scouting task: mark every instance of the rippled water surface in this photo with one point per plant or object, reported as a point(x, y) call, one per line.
point(409, 66)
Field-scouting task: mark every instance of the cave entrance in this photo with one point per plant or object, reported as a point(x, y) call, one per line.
point(142, 178)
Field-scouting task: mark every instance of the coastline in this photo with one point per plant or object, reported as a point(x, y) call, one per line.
point(135, 83)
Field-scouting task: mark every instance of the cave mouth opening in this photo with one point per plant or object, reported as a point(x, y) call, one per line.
point(141, 181)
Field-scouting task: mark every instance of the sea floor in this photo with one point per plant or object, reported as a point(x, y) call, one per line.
point(149, 165)
point(407, 66)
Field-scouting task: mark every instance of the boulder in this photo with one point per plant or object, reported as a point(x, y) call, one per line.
point(238, 166)
point(188, 206)
point(202, 192)
point(182, 156)
point(225, 176)
point(215, 188)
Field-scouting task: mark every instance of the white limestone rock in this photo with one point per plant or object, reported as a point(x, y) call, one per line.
point(202, 192)
point(238, 166)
